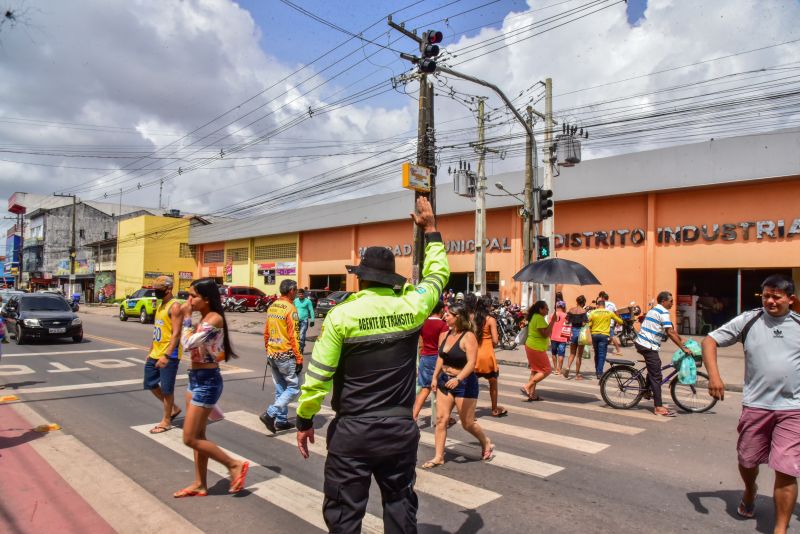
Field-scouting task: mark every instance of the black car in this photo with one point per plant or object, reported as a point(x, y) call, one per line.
point(325, 304)
point(41, 316)
point(315, 294)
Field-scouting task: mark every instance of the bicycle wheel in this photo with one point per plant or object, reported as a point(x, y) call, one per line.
point(622, 387)
point(692, 398)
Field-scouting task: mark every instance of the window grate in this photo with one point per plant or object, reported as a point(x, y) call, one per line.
point(214, 256)
point(237, 254)
point(276, 252)
point(187, 251)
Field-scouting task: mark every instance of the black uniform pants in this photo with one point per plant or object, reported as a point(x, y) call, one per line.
point(347, 482)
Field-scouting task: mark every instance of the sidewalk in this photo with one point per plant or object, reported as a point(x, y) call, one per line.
point(53, 483)
point(729, 359)
point(34, 496)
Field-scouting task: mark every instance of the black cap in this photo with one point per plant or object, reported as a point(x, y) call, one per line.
point(377, 265)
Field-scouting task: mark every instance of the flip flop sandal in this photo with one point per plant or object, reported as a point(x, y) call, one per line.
point(190, 492)
point(536, 398)
point(176, 414)
point(668, 413)
point(565, 374)
point(746, 511)
point(500, 413)
point(488, 454)
point(431, 464)
point(524, 392)
point(238, 484)
point(158, 429)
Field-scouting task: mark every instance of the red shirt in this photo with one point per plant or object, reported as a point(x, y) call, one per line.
point(431, 330)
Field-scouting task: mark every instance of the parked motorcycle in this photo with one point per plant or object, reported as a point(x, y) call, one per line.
point(264, 302)
point(506, 328)
point(231, 304)
point(630, 316)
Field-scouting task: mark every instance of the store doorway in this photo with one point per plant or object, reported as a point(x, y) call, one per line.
point(464, 283)
point(708, 298)
point(332, 282)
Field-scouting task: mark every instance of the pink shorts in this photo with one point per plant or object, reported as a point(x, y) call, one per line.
point(538, 360)
point(770, 437)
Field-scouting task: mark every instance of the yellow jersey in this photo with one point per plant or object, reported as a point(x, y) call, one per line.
point(600, 320)
point(162, 333)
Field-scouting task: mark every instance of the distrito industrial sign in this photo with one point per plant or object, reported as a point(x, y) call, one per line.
point(745, 231)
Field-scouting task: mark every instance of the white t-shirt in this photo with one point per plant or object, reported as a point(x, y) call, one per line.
point(771, 358)
point(610, 306)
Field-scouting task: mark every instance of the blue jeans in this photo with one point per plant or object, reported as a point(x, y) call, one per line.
point(303, 329)
point(287, 387)
point(600, 344)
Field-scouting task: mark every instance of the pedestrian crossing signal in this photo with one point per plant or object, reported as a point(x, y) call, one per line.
point(542, 247)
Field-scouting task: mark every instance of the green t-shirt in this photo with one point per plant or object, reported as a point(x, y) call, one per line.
point(536, 341)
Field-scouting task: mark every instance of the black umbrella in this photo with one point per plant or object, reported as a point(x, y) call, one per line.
point(556, 271)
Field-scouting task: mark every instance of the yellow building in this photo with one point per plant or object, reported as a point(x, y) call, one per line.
point(151, 246)
point(261, 262)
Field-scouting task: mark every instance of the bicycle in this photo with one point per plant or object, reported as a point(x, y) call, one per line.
point(623, 387)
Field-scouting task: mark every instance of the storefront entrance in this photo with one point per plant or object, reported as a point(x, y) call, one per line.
point(332, 282)
point(708, 298)
point(463, 282)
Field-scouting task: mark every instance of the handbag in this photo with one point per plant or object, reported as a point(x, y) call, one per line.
point(585, 337)
point(522, 336)
point(566, 331)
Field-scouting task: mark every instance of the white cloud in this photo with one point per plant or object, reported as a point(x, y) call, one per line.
point(152, 69)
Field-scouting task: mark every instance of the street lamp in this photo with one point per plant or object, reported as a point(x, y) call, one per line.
point(523, 210)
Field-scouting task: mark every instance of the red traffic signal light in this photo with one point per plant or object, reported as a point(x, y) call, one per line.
point(433, 36)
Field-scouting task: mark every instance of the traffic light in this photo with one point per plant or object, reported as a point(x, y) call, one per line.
point(542, 247)
point(545, 204)
point(429, 49)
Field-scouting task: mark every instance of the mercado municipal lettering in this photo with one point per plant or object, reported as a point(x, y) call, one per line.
point(682, 234)
point(452, 246)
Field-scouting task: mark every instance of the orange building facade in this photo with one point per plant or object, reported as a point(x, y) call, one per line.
point(706, 222)
point(718, 242)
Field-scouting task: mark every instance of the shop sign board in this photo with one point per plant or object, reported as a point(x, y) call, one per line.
point(185, 275)
point(286, 268)
point(416, 177)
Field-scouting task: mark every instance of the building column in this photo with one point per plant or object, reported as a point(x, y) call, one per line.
point(650, 252)
point(355, 259)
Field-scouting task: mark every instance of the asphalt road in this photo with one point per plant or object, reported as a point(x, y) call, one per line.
point(565, 464)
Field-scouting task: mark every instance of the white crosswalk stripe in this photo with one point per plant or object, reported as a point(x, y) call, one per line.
point(520, 464)
point(296, 498)
point(599, 408)
point(596, 408)
point(459, 493)
point(540, 436)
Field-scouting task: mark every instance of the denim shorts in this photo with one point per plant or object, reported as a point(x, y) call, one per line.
point(468, 388)
point(558, 348)
point(425, 372)
point(163, 378)
point(573, 338)
point(205, 385)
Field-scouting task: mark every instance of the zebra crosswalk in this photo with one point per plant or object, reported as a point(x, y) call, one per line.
point(561, 433)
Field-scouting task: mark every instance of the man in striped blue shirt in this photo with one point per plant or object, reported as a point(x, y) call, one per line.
point(657, 327)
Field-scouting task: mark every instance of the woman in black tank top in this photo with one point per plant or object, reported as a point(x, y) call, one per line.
point(455, 383)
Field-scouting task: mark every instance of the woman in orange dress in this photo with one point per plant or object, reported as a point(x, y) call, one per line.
point(486, 364)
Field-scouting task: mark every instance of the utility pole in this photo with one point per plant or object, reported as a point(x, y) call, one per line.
point(480, 202)
point(160, 191)
point(426, 156)
point(73, 250)
point(548, 224)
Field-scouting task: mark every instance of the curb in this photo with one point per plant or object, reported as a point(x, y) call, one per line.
point(728, 387)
